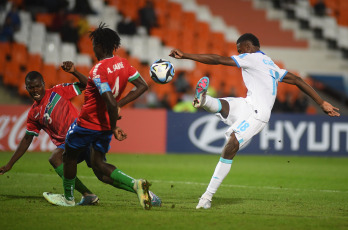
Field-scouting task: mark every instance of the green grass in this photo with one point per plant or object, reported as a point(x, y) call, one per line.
point(261, 192)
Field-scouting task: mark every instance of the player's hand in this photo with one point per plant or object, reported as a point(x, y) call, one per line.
point(5, 169)
point(68, 66)
point(175, 53)
point(119, 134)
point(330, 109)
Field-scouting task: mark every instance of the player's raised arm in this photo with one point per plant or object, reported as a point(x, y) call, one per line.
point(69, 67)
point(210, 59)
point(21, 149)
point(140, 88)
point(329, 109)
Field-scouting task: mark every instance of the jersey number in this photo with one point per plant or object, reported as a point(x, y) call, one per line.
point(116, 89)
point(243, 126)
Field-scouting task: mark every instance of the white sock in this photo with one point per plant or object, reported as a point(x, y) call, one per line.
point(221, 171)
point(211, 104)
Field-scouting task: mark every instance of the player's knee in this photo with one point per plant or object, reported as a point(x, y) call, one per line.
point(70, 153)
point(54, 161)
point(231, 148)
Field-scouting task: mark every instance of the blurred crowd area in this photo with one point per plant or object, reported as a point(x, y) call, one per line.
point(40, 34)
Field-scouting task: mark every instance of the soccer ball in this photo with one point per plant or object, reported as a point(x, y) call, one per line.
point(162, 71)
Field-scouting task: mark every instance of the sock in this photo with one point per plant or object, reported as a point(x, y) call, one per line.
point(119, 185)
point(120, 177)
point(211, 104)
point(221, 171)
point(79, 186)
point(59, 170)
point(69, 186)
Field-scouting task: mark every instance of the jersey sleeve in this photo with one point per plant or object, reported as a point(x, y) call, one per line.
point(33, 128)
point(132, 72)
point(242, 60)
point(100, 79)
point(67, 90)
point(282, 73)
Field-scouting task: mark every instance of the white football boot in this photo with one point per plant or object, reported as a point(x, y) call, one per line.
point(58, 199)
point(204, 202)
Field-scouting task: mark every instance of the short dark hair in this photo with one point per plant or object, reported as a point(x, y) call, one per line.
point(249, 37)
point(33, 75)
point(106, 38)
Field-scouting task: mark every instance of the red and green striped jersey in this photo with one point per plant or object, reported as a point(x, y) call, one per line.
point(111, 74)
point(54, 113)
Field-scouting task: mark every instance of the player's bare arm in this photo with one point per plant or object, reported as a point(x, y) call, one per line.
point(21, 149)
point(140, 88)
point(112, 108)
point(329, 109)
point(69, 67)
point(210, 59)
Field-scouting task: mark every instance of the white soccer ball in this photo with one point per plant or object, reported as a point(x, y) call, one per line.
point(162, 71)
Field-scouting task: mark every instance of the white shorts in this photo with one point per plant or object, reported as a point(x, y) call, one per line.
point(242, 120)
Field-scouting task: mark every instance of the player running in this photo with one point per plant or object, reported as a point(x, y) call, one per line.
point(96, 123)
point(46, 114)
point(245, 116)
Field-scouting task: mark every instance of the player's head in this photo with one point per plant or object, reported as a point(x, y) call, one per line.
point(248, 43)
point(35, 85)
point(105, 41)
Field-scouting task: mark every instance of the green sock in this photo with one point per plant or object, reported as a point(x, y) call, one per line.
point(120, 177)
point(79, 186)
point(69, 186)
point(117, 184)
point(59, 170)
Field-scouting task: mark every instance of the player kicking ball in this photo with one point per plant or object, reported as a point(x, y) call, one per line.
point(247, 116)
point(46, 114)
point(96, 123)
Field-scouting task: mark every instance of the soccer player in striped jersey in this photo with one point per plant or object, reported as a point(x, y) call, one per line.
point(53, 112)
point(96, 123)
point(245, 116)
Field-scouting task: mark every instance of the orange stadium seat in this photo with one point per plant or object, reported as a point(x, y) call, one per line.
point(19, 54)
point(34, 62)
point(11, 73)
point(85, 45)
point(217, 41)
point(171, 37)
point(49, 72)
point(5, 48)
point(2, 64)
point(157, 32)
point(45, 18)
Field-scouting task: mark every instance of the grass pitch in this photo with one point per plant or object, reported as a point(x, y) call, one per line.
point(260, 192)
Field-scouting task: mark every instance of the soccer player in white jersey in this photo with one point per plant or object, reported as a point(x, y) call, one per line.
point(245, 116)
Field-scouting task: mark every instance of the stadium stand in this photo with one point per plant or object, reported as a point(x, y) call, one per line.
point(191, 25)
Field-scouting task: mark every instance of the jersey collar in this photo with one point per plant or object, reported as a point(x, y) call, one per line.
point(259, 51)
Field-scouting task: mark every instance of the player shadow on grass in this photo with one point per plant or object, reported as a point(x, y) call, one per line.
point(218, 201)
point(5, 197)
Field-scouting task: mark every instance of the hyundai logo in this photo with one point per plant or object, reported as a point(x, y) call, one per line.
point(205, 132)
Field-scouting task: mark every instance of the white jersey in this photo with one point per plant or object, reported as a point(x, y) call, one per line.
point(261, 77)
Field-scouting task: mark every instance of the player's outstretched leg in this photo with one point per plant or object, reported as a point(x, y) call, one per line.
point(201, 90)
point(58, 199)
point(141, 186)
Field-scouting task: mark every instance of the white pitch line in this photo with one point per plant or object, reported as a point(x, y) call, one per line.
point(197, 183)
